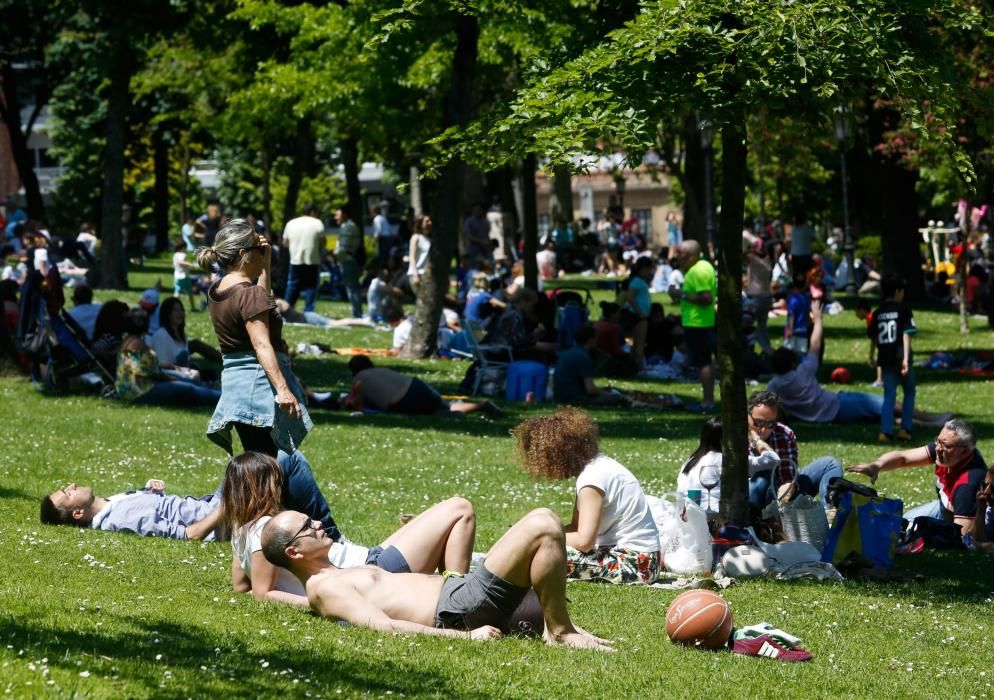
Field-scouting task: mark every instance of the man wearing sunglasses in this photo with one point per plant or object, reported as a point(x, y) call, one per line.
point(477, 605)
point(765, 429)
point(960, 472)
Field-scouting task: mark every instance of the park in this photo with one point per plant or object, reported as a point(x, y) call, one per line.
point(558, 164)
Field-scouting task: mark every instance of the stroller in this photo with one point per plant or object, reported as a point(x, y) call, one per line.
point(572, 312)
point(56, 347)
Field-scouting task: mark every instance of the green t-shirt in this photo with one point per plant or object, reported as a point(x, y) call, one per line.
point(699, 278)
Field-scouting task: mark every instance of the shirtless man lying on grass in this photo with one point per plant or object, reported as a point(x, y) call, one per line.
point(478, 605)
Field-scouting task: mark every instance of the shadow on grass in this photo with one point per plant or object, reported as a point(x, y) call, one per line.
point(128, 654)
point(17, 494)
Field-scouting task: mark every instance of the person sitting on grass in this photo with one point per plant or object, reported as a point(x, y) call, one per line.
point(476, 606)
point(151, 511)
point(253, 488)
point(386, 390)
point(802, 396)
point(960, 470)
point(983, 524)
point(573, 381)
point(173, 348)
point(612, 535)
point(140, 379)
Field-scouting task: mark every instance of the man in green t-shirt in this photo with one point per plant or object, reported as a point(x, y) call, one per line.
point(697, 297)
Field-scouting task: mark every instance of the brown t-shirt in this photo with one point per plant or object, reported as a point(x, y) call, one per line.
point(231, 308)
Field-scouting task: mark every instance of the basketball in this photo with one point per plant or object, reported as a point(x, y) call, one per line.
point(699, 618)
point(840, 375)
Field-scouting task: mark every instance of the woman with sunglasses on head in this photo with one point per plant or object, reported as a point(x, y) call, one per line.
point(260, 397)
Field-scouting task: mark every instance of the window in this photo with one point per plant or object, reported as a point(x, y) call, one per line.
point(644, 217)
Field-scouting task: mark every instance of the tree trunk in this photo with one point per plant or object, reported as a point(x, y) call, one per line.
point(10, 114)
point(457, 111)
point(734, 437)
point(266, 159)
point(301, 164)
point(184, 207)
point(561, 201)
point(160, 151)
point(528, 201)
point(693, 182)
point(350, 163)
point(112, 196)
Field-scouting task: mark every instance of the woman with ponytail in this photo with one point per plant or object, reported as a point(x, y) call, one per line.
point(260, 397)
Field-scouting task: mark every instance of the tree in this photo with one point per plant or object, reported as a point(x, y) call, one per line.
point(723, 60)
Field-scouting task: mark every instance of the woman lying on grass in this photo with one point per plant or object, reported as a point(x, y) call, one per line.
point(612, 535)
point(253, 492)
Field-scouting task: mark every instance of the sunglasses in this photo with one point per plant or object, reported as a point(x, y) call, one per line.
point(308, 525)
point(760, 423)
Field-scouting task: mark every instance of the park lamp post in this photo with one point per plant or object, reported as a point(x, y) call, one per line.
point(840, 116)
point(707, 145)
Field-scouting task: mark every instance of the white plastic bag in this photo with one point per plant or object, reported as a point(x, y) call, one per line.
point(684, 539)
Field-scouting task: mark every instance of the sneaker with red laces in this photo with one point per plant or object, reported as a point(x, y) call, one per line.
point(767, 646)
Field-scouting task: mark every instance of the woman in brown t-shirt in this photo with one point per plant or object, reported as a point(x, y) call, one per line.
point(260, 396)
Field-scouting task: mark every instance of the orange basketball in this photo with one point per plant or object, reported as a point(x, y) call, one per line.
point(840, 375)
point(699, 618)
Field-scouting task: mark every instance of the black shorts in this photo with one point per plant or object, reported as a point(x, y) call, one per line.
point(420, 398)
point(476, 599)
point(700, 344)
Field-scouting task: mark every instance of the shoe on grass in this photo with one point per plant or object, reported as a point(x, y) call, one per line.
point(885, 439)
point(769, 647)
point(903, 435)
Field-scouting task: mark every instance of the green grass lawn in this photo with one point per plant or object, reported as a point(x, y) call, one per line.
point(91, 614)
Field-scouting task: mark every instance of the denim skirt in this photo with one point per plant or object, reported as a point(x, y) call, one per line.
point(247, 397)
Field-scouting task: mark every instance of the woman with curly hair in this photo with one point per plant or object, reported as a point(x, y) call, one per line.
point(612, 535)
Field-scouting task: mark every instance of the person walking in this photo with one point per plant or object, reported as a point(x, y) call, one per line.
point(350, 250)
point(304, 238)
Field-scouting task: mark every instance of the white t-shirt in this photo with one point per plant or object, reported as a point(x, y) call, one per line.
point(692, 480)
point(346, 554)
point(89, 240)
point(379, 292)
point(676, 280)
point(246, 541)
point(305, 236)
point(179, 269)
point(418, 263)
point(41, 259)
point(381, 226)
point(626, 521)
point(402, 332)
point(169, 350)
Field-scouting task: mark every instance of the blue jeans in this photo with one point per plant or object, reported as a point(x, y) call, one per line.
point(302, 281)
point(892, 377)
point(855, 407)
point(760, 491)
point(928, 510)
point(179, 393)
point(814, 478)
point(302, 493)
point(811, 480)
point(350, 278)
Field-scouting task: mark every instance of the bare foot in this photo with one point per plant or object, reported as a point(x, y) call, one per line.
point(577, 640)
point(594, 636)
